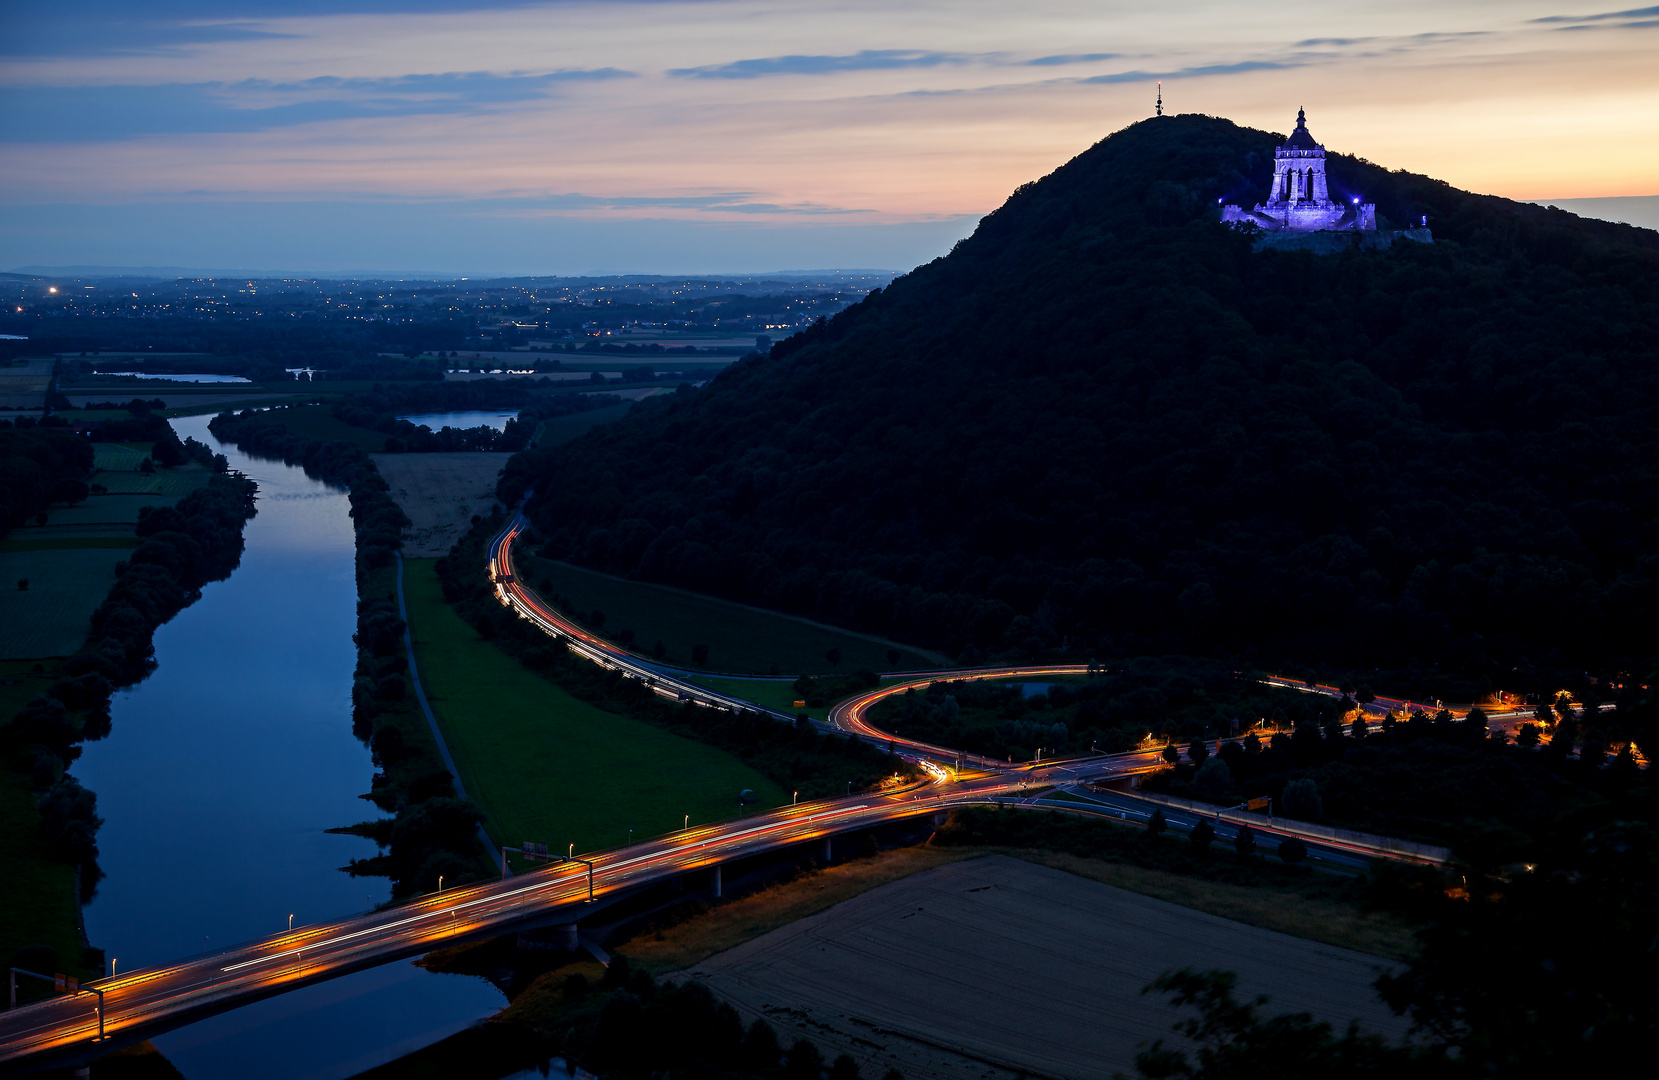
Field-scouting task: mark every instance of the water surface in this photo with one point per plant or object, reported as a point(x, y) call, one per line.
point(219, 777)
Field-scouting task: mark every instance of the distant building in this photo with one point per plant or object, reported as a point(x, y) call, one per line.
point(1300, 200)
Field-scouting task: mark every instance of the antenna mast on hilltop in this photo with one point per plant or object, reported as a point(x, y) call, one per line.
point(1160, 111)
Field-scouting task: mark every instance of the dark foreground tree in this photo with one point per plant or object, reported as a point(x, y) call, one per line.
point(1234, 1042)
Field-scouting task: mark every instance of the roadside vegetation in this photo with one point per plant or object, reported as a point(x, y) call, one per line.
point(94, 582)
point(544, 765)
point(794, 757)
point(696, 631)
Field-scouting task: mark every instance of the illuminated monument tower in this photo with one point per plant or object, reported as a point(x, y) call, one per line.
point(1300, 200)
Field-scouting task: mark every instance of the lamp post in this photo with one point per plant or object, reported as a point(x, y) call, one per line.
point(440, 884)
point(795, 800)
point(291, 920)
point(687, 823)
point(112, 966)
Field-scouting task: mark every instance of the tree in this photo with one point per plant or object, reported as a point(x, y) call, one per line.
point(1358, 730)
point(1235, 1043)
point(1527, 735)
point(69, 820)
point(1301, 799)
point(700, 655)
point(760, 1049)
point(1198, 751)
point(893, 657)
point(833, 656)
point(1203, 834)
point(804, 1061)
point(1245, 842)
point(1214, 780)
point(843, 1068)
point(1157, 823)
point(1292, 850)
point(1172, 753)
point(1507, 978)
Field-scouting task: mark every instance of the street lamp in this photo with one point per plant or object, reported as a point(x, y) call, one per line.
point(573, 847)
point(440, 884)
point(687, 822)
point(112, 966)
point(291, 919)
point(795, 799)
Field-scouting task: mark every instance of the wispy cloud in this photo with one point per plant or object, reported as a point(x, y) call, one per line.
point(725, 202)
point(1069, 58)
point(864, 60)
point(95, 113)
point(1194, 72)
point(1605, 16)
point(874, 60)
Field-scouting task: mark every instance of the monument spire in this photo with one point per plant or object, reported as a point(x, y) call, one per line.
point(1160, 97)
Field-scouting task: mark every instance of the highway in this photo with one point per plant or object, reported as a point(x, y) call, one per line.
point(143, 1003)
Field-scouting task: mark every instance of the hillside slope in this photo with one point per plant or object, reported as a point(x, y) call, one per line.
point(1104, 424)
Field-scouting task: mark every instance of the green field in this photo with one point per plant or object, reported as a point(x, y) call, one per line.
point(70, 560)
point(52, 616)
point(68, 543)
point(121, 457)
point(565, 428)
point(545, 766)
point(37, 894)
point(740, 638)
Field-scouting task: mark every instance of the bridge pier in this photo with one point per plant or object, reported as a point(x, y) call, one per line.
point(561, 937)
point(714, 882)
point(829, 851)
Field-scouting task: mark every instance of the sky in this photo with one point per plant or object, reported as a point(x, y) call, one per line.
point(712, 136)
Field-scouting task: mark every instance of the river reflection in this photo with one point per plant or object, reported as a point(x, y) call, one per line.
point(220, 774)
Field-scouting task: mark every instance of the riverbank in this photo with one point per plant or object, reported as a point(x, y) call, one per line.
point(183, 529)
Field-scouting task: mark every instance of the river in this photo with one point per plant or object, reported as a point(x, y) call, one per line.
point(219, 777)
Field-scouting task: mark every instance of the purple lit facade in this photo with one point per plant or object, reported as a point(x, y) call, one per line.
point(1300, 200)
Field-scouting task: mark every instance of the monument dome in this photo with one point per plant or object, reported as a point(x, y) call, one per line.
point(1300, 199)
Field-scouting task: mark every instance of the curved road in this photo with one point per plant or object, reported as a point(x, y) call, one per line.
point(143, 1003)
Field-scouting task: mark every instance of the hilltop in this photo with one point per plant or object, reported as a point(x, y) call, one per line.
point(1106, 424)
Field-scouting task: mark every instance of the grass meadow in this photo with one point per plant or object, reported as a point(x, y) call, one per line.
point(52, 616)
point(741, 639)
point(543, 765)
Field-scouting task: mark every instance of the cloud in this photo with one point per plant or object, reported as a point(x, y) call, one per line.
point(1193, 72)
point(95, 113)
point(122, 37)
point(1605, 16)
point(864, 60)
point(726, 202)
point(1070, 58)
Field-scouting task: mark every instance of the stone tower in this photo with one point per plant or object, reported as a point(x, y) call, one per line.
point(1300, 200)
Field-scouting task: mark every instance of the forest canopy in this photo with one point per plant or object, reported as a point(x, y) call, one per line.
point(1106, 424)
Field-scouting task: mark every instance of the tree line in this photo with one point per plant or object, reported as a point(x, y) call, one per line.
point(197, 540)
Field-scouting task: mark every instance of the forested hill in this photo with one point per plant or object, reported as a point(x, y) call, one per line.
point(1104, 424)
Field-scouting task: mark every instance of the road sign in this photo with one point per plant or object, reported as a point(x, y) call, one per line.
point(1262, 803)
